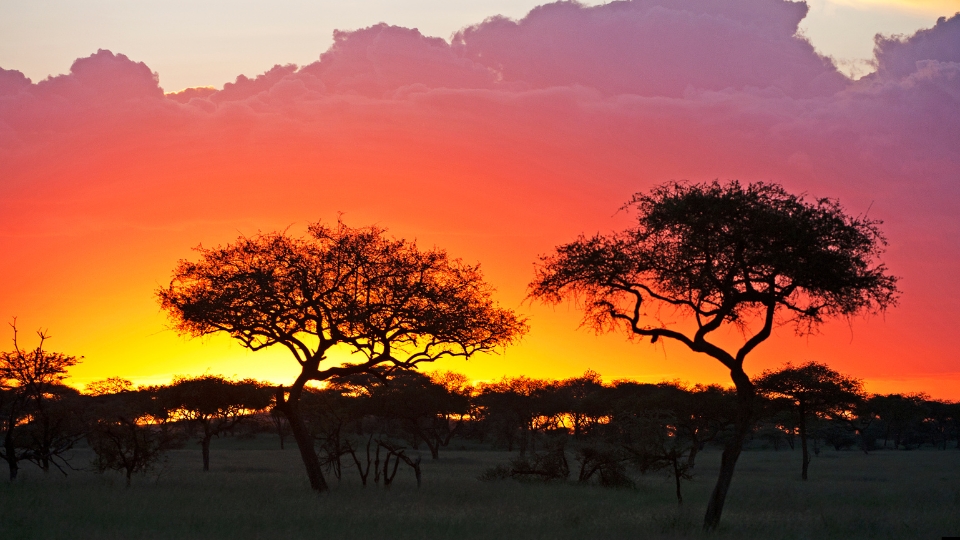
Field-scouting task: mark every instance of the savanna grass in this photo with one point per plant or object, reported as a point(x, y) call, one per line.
point(254, 490)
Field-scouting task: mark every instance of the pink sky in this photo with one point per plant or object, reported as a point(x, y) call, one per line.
point(511, 138)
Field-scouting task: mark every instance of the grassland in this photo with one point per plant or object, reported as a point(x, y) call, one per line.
point(254, 490)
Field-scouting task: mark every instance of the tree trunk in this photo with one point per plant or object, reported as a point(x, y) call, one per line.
point(433, 445)
point(14, 468)
point(10, 450)
point(692, 456)
point(731, 451)
point(308, 453)
point(676, 477)
point(277, 417)
point(803, 440)
point(205, 449)
point(389, 476)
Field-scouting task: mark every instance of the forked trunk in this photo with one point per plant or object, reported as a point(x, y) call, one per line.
point(731, 451)
point(433, 443)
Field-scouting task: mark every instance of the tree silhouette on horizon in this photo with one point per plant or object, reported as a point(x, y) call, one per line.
point(384, 299)
point(811, 389)
point(723, 255)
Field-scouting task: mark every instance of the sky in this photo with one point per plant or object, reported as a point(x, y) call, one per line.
point(496, 138)
point(210, 42)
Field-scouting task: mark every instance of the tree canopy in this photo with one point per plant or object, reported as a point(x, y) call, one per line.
point(812, 389)
point(38, 420)
point(213, 402)
point(383, 298)
point(721, 255)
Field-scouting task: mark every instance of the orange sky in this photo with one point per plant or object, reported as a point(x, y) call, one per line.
point(106, 182)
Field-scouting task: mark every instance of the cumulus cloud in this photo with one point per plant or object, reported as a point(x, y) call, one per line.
point(382, 58)
point(12, 81)
point(104, 77)
point(655, 47)
point(520, 132)
point(897, 56)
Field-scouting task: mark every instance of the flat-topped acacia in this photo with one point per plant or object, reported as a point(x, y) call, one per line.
point(721, 255)
point(382, 298)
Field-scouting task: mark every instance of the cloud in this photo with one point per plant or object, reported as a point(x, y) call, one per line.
point(897, 56)
point(383, 58)
point(655, 48)
point(12, 81)
point(106, 78)
point(512, 138)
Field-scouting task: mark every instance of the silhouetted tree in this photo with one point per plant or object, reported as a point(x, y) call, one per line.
point(130, 432)
point(656, 444)
point(110, 385)
point(424, 408)
point(331, 414)
point(901, 416)
point(944, 417)
point(399, 454)
point(452, 408)
point(583, 399)
point(697, 415)
point(280, 423)
point(811, 390)
point(723, 255)
point(778, 424)
point(385, 299)
point(57, 422)
point(39, 420)
point(213, 403)
point(516, 410)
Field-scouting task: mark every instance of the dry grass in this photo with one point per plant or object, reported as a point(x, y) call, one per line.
point(257, 491)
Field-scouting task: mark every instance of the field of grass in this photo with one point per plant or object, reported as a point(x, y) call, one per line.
point(254, 490)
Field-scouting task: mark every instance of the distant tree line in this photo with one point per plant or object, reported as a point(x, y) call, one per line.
point(370, 424)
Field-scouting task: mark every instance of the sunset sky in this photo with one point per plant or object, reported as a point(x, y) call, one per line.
point(496, 138)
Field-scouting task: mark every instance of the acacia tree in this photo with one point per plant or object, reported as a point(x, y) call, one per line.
point(130, 430)
point(425, 408)
point(901, 416)
point(723, 255)
point(514, 410)
point(583, 400)
point(812, 389)
point(383, 299)
point(698, 414)
point(37, 422)
point(216, 404)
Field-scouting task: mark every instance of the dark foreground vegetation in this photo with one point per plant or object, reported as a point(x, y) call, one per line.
point(417, 456)
point(256, 490)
